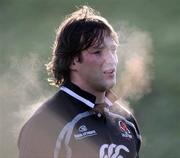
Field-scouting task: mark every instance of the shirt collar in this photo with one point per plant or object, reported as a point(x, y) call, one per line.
point(81, 95)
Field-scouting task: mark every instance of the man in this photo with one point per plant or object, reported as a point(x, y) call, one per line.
point(81, 120)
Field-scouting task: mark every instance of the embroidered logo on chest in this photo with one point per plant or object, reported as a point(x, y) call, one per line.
point(125, 132)
point(83, 132)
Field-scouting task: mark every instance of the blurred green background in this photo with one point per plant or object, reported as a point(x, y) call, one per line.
point(27, 32)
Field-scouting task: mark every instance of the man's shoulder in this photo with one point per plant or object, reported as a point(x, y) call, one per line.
point(51, 108)
point(122, 111)
point(57, 111)
point(46, 121)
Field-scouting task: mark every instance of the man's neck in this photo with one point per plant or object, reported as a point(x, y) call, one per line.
point(100, 96)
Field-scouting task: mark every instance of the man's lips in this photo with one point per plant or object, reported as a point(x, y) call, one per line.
point(109, 71)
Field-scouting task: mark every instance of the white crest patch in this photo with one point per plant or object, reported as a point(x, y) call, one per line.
point(84, 133)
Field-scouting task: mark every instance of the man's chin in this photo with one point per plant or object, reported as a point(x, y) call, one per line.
point(105, 86)
point(110, 85)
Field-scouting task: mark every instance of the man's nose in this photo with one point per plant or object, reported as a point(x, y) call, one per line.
point(111, 57)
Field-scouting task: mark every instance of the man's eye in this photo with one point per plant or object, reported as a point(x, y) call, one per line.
point(97, 52)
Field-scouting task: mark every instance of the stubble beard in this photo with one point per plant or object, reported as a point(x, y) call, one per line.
point(106, 86)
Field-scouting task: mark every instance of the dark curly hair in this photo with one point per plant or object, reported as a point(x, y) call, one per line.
point(79, 31)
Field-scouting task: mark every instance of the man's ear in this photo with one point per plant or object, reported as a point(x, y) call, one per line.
point(75, 63)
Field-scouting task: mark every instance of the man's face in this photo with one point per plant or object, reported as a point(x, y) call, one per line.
point(97, 70)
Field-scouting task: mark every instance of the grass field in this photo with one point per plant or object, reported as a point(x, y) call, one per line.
point(27, 31)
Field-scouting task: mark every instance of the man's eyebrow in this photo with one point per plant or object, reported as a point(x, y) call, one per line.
point(99, 46)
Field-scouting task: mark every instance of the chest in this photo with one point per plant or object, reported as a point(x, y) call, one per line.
point(101, 137)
